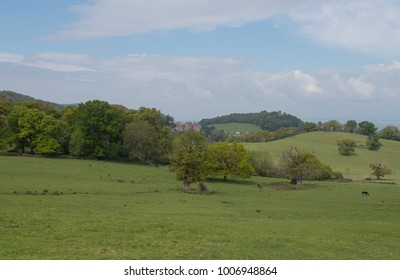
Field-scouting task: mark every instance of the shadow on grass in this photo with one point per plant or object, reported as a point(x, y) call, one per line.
point(231, 181)
point(288, 186)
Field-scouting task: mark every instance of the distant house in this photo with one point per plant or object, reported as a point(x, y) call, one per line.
point(240, 133)
point(183, 127)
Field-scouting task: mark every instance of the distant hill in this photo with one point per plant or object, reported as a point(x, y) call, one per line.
point(270, 121)
point(15, 97)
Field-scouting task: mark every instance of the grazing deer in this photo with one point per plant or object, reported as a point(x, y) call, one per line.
point(365, 193)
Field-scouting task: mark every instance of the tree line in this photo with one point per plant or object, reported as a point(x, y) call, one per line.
point(270, 121)
point(95, 129)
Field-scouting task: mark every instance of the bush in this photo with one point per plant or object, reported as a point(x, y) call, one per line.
point(263, 164)
point(346, 147)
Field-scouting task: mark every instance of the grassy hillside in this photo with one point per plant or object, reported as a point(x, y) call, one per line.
point(77, 209)
point(324, 145)
point(233, 127)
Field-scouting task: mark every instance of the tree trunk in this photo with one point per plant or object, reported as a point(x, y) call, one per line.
point(225, 179)
point(186, 185)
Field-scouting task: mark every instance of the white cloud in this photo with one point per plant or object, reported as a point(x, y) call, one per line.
point(368, 26)
point(11, 58)
point(49, 61)
point(191, 88)
point(107, 18)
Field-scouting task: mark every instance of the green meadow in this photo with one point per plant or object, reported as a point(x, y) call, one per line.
point(324, 146)
point(83, 209)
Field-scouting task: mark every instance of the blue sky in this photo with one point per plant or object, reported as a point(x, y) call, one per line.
point(193, 59)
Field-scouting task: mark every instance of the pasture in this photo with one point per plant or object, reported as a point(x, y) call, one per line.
point(81, 209)
point(324, 146)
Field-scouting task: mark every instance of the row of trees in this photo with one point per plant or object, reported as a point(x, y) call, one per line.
point(270, 121)
point(93, 129)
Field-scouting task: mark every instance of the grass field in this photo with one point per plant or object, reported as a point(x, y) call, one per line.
point(79, 209)
point(324, 146)
point(233, 127)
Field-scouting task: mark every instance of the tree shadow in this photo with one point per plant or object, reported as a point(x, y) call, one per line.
point(231, 181)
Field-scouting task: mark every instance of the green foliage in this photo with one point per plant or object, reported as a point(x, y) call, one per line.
point(188, 164)
point(142, 142)
point(373, 143)
point(229, 160)
point(350, 126)
point(100, 126)
point(191, 138)
point(162, 125)
point(46, 145)
point(390, 132)
point(270, 121)
point(366, 128)
point(310, 126)
point(30, 128)
point(332, 125)
point(263, 164)
point(346, 147)
point(380, 170)
point(233, 127)
point(300, 165)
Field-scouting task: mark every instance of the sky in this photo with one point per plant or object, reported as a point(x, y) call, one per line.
point(195, 59)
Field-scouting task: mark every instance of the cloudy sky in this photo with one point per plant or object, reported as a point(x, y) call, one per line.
point(193, 59)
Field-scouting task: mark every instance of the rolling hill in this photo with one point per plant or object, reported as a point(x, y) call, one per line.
point(15, 97)
point(324, 146)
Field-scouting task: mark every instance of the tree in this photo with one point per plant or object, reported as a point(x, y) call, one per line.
point(162, 125)
point(192, 138)
point(332, 125)
point(101, 126)
point(32, 129)
point(310, 127)
point(373, 143)
point(300, 165)
point(5, 109)
point(346, 147)
point(380, 170)
point(229, 160)
point(263, 164)
point(350, 126)
point(188, 164)
point(366, 128)
point(390, 132)
point(141, 142)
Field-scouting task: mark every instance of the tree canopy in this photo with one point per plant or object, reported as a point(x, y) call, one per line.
point(270, 121)
point(229, 160)
point(300, 165)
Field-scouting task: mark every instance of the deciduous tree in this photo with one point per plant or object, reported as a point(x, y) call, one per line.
point(373, 143)
point(229, 160)
point(188, 164)
point(390, 132)
point(380, 170)
point(346, 147)
point(141, 142)
point(366, 128)
point(300, 165)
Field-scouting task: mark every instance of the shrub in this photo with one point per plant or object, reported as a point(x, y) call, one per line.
point(346, 147)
